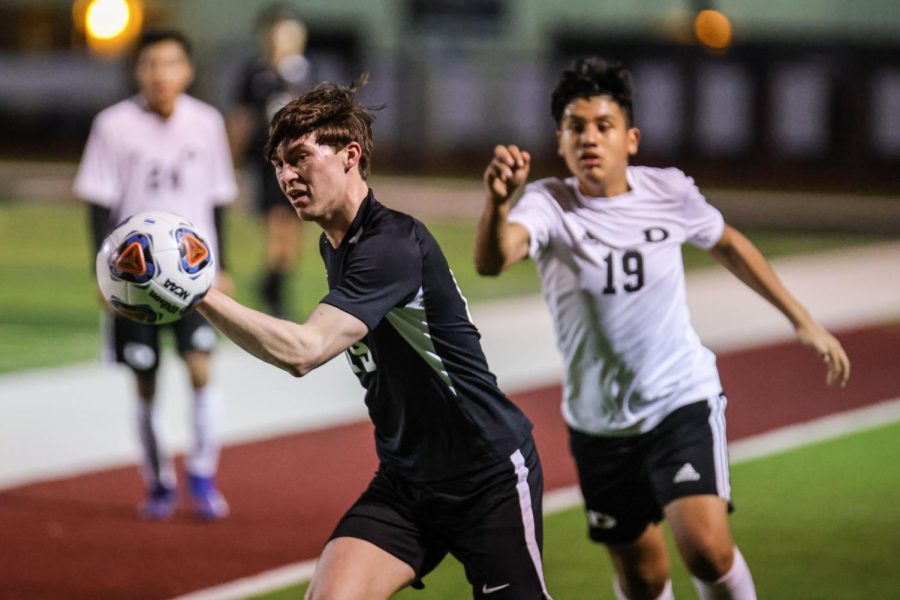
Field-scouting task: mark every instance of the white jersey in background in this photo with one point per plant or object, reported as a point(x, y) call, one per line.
point(135, 160)
point(613, 277)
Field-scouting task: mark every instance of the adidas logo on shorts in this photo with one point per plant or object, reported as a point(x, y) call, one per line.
point(686, 473)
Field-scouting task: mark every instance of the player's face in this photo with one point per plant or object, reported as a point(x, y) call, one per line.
point(595, 141)
point(283, 39)
point(313, 177)
point(163, 72)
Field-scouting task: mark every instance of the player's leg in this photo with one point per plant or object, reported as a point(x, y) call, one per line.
point(690, 472)
point(377, 548)
point(137, 346)
point(195, 340)
point(351, 568)
point(622, 512)
point(492, 522)
point(282, 240)
point(700, 528)
point(642, 567)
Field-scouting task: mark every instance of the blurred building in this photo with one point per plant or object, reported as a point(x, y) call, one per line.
point(807, 90)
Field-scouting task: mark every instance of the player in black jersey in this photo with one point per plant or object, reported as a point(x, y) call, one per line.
point(277, 74)
point(458, 469)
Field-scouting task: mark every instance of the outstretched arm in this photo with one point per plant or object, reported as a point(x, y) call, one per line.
point(499, 244)
point(740, 256)
point(296, 348)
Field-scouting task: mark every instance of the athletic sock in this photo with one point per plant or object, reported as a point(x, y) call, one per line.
point(156, 465)
point(736, 584)
point(666, 594)
point(204, 456)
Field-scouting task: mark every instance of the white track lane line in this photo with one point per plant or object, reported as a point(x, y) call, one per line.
point(751, 448)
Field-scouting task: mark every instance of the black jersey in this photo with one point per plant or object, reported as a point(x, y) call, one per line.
point(265, 90)
point(436, 407)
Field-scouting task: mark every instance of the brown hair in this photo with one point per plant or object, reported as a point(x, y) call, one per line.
point(331, 112)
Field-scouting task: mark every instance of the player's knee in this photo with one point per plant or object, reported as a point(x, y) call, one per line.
point(199, 380)
point(145, 382)
point(643, 578)
point(336, 589)
point(322, 591)
point(198, 368)
point(708, 558)
point(643, 586)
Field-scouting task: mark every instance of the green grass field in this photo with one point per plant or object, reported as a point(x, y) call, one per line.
point(49, 312)
point(819, 522)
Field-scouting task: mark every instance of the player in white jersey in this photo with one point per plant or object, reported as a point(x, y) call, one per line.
point(642, 397)
point(164, 150)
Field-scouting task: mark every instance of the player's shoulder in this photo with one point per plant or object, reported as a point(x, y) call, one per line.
point(549, 188)
point(547, 185)
point(122, 111)
point(392, 223)
point(391, 234)
point(253, 66)
point(663, 181)
point(199, 109)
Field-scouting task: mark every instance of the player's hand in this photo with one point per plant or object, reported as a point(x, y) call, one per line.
point(829, 350)
point(224, 283)
point(506, 172)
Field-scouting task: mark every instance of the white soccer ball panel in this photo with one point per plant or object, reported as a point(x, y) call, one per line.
point(154, 267)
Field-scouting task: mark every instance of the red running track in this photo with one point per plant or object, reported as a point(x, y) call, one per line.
point(78, 537)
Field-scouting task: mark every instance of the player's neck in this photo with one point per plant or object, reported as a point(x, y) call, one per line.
point(337, 223)
point(162, 109)
point(609, 187)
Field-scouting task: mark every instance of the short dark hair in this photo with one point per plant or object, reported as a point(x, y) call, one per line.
point(331, 112)
point(154, 36)
point(594, 77)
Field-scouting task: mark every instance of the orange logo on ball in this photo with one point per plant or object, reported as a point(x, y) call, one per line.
point(131, 260)
point(194, 249)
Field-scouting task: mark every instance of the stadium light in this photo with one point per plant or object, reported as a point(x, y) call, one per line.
point(109, 26)
point(713, 29)
point(106, 19)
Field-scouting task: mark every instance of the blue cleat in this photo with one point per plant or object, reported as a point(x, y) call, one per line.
point(160, 504)
point(208, 502)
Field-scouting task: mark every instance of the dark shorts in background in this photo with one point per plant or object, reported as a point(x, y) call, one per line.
point(627, 481)
point(489, 520)
point(267, 192)
point(137, 345)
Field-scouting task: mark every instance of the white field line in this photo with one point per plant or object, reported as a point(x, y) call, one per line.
point(758, 446)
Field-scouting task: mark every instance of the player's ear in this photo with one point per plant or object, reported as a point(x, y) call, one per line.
point(188, 79)
point(634, 140)
point(352, 155)
point(559, 149)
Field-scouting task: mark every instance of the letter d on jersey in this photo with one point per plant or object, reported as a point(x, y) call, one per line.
point(656, 234)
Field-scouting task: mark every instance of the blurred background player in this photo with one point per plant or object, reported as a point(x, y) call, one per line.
point(642, 396)
point(279, 73)
point(164, 150)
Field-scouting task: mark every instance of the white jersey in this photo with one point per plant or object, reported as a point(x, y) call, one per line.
point(613, 277)
point(135, 160)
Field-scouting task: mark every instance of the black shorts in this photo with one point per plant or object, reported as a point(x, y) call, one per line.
point(627, 481)
point(489, 520)
point(137, 345)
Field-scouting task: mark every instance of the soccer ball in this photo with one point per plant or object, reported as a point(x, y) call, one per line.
point(155, 267)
